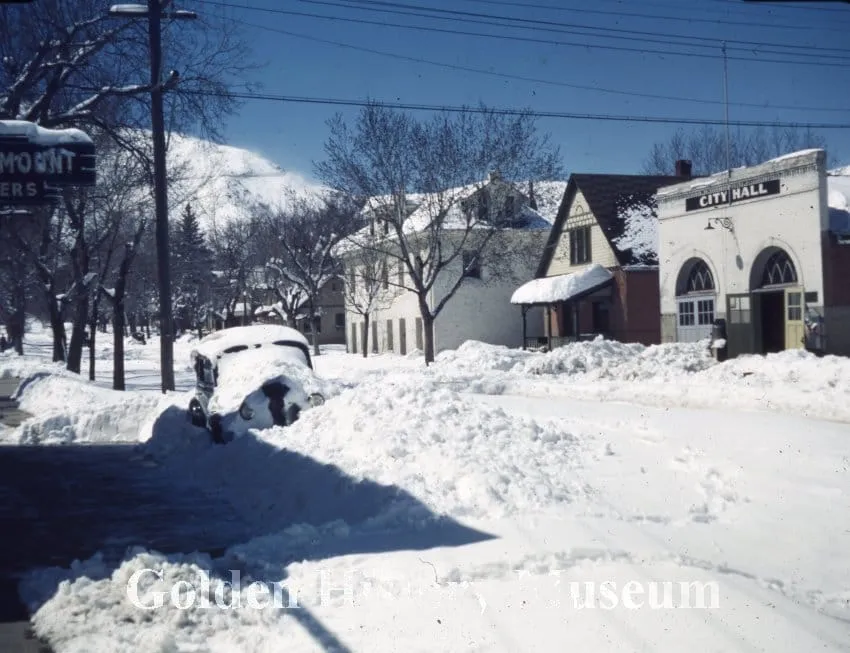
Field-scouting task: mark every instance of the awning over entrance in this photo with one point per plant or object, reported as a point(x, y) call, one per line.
point(563, 287)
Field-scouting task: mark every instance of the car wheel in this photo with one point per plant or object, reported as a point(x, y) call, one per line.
point(196, 415)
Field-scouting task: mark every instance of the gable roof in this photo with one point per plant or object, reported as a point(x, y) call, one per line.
point(423, 207)
point(608, 197)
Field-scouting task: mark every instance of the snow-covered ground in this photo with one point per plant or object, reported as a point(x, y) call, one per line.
point(603, 497)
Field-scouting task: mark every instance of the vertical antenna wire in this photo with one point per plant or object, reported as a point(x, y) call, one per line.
point(726, 108)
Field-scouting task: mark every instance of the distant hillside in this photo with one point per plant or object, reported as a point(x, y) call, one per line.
point(222, 181)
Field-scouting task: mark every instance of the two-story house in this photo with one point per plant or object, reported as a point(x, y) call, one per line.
point(479, 309)
point(598, 274)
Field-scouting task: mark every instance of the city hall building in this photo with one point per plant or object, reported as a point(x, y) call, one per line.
point(765, 248)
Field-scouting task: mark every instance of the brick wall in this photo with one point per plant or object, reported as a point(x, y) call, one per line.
point(836, 271)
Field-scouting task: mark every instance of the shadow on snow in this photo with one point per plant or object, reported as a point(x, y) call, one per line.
point(178, 493)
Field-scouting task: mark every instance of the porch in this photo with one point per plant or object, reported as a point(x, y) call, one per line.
point(577, 307)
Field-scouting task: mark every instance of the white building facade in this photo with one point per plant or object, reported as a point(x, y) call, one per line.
point(762, 249)
point(480, 308)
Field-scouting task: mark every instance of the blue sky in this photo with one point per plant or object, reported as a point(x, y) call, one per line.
point(293, 134)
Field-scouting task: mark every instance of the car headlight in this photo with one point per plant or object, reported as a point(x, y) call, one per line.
point(316, 399)
point(245, 411)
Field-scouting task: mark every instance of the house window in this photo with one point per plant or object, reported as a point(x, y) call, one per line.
point(339, 321)
point(400, 274)
point(351, 280)
point(390, 335)
point(739, 310)
point(471, 265)
point(795, 308)
point(705, 312)
point(779, 270)
point(385, 275)
point(579, 245)
point(374, 337)
point(686, 314)
point(699, 278)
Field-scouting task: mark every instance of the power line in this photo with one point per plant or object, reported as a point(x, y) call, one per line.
point(690, 19)
point(497, 74)
point(818, 9)
point(521, 38)
point(517, 112)
point(546, 23)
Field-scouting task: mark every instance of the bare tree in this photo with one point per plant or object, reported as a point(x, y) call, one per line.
point(116, 297)
point(17, 276)
point(234, 245)
point(72, 64)
point(706, 148)
point(444, 164)
point(304, 235)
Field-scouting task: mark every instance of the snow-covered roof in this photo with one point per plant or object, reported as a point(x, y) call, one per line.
point(794, 155)
point(838, 198)
point(639, 214)
point(254, 335)
point(560, 288)
point(40, 135)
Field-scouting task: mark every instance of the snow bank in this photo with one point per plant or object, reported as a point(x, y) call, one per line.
point(341, 461)
point(66, 408)
point(402, 430)
point(547, 290)
point(597, 359)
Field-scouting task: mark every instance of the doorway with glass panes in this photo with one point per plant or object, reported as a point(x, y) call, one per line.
point(769, 318)
point(695, 301)
point(777, 299)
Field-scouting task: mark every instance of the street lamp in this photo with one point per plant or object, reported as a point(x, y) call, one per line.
point(154, 11)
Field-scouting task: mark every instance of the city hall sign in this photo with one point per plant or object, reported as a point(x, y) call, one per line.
point(738, 193)
point(36, 163)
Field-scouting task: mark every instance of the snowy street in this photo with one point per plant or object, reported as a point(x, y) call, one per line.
point(492, 502)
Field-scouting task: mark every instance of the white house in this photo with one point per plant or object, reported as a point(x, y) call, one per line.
point(764, 248)
point(480, 309)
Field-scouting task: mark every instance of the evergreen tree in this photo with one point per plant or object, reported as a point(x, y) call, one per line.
point(192, 271)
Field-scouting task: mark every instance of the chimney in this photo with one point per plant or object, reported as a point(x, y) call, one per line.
point(683, 168)
point(494, 175)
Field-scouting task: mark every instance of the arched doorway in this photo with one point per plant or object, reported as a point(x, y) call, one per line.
point(777, 301)
point(695, 301)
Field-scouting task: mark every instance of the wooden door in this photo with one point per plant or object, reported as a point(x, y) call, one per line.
point(739, 325)
point(795, 331)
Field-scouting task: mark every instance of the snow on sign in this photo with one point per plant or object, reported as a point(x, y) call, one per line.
point(35, 163)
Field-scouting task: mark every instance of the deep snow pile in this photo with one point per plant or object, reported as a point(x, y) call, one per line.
point(396, 432)
point(67, 409)
point(597, 359)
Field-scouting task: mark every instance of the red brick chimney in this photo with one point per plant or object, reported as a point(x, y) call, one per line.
point(683, 168)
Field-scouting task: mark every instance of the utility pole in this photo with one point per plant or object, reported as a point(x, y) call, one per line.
point(163, 264)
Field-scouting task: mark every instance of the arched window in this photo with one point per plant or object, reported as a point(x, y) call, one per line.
point(699, 278)
point(694, 278)
point(778, 270)
point(695, 294)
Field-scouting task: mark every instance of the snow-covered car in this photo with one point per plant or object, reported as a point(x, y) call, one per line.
point(251, 377)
